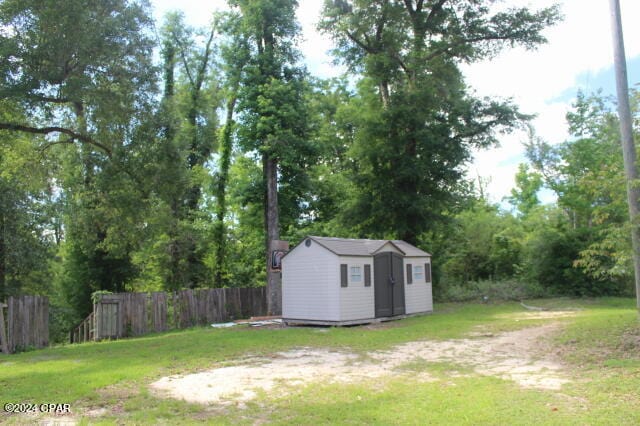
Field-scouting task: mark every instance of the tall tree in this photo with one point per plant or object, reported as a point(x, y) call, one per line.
point(189, 120)
point(196, 66)
point(419, 122)
point(235, 55)
point(272, 105)
point(88, 91)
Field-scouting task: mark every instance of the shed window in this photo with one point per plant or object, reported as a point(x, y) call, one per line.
point(418, 273)
point(356, 274)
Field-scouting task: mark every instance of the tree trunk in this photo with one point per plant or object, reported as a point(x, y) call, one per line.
point(87, 151)
point(172, 279)
point(194, 158)
point(411, 184)
point(271, 222)
point(626, 131)
point(169, 54)
point(199, 149)
point(384, 94)
point(221, 194)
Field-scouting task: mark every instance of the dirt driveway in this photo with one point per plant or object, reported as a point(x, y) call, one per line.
point(516, 355)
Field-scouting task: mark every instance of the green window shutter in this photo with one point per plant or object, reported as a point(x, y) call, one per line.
point(427, 272)
point(409, 274)
point(367, 275)
point(343, 275)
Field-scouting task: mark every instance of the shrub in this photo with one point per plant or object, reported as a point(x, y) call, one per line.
point(488, 290)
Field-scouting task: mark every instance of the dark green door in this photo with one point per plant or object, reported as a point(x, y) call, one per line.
point(388, 278)
point(398, 287)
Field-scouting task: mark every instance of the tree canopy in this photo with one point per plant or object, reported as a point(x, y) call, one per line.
point(419, 121)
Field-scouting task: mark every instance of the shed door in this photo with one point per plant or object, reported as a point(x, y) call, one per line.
point(389, 284)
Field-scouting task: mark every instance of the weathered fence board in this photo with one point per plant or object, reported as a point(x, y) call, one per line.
point(135, 314)
point(107, 323)
point(27, 322)
point(4, 345)
point(159, 312)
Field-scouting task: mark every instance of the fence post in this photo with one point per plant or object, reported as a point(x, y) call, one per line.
point(3, 333)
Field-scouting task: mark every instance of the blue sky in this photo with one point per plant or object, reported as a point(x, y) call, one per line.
point(590, 82)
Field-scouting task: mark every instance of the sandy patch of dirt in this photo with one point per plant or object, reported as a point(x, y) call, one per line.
point(57, 421)
point(516, 355)
point(242, 382)
point(631, 340)
point(61, 420)
point(522, 316)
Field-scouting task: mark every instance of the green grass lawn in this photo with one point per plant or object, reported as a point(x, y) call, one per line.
point(600, 346)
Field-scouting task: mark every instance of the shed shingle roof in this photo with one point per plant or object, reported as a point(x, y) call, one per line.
point(362, 247)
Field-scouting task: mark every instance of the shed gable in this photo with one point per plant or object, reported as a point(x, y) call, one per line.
point(389, 247)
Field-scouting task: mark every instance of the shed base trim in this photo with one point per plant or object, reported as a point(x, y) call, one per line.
point(295, 321)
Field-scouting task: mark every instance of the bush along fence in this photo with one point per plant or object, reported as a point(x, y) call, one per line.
point(135, 314)
point(24, 323)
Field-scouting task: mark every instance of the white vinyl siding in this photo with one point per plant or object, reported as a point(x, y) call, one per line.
point(417, 296)
point(356, 300)
point(311, 284)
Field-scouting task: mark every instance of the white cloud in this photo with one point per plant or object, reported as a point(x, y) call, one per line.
point(580, 45)
point(316, 46)
point(197, 13)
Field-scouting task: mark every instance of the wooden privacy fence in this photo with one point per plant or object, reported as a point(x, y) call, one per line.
point(135, 314)
point(26, 325)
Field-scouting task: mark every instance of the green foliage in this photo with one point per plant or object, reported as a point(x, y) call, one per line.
point(28, 228)
point(247, 238)
point(492, 291)
point(87, 91)
point(587, 175)
point(549, 257)
point(579, 247)
point(524, 196)
point(416, 122)
point(96, 296)
point(178, 229)
point(481, 243)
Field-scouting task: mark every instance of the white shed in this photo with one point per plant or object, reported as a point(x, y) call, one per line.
point(339, 281)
